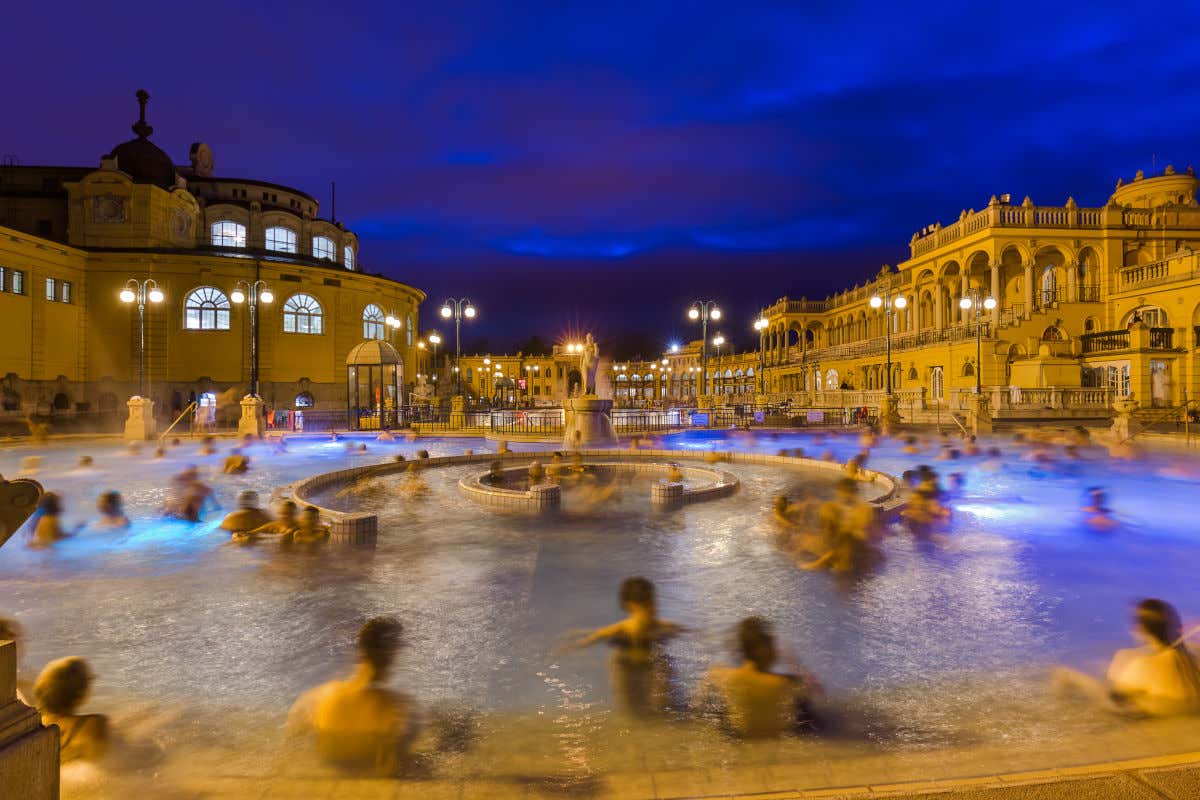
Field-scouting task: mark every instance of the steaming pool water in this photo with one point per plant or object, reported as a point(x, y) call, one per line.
point(944, 646)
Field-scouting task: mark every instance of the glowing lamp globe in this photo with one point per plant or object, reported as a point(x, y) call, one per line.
point(156, 295)
point(901, 302)
point(266, 295)
point(446, 312)
point(715, 313)
point(965, 303)
point(876, 301)
point(469, 311)
point(693, 313)
point(127, 296)
point(237, 296)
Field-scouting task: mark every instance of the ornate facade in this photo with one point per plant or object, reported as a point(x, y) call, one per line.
point(71, 238)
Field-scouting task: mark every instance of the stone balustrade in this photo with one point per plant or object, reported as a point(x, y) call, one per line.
point(1181, 266)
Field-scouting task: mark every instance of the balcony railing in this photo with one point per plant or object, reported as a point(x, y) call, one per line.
point(1030, 216)
point(1181, 266)
point(1105, 341)
point(900, 341)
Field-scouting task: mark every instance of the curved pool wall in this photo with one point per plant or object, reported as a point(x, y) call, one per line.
point(938, 658)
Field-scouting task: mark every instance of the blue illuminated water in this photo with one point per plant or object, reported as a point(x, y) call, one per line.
point(170, 612)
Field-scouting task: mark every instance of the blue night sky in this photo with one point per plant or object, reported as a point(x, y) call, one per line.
point(575, 167)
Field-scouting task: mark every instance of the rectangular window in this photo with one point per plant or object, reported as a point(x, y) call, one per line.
point(3, 279)
point(18, 282)
point(51, 289)
point(66, 291)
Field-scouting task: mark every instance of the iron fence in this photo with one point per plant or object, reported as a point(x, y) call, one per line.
point(532, 422)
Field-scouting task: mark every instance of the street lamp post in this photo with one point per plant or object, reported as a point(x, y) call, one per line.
point(719, 382)
point(141, 291)
point(760, 325)
point(458, 308)
point(975, 300)
point(435, 339)
point(256, 291)
point(704, 310)
point(888, 302)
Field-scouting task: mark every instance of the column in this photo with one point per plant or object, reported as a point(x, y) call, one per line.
point(938, 318)
point(963, 313)
point(996, 296)
point(1028, 291)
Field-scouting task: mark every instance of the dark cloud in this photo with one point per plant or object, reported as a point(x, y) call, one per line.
point(588, 164)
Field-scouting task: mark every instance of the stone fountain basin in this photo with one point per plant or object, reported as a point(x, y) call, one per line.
point(516, 493)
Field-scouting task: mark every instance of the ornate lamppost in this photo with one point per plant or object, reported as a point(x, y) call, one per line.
point(141, 292)
point(254, 292)
point(974, 300)
point(458, 308)
point(704, 310)
point(888, 302)
point(760, 325)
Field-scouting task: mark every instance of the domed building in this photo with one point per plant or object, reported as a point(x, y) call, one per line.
point(73, 342)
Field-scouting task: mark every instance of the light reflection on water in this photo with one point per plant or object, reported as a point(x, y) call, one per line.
point(170, 612)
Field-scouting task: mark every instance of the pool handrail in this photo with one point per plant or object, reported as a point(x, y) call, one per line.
point(190, 407)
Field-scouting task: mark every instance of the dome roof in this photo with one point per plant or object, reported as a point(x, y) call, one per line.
point(372, 352)
point(140, 158)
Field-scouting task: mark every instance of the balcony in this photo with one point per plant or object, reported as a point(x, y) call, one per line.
point(1108, 341)
point(1182, 266)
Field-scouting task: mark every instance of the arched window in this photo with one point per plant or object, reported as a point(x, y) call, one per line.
point(305, 400)
point(227, 233)
point(968, 370)
point(281, 240)
point(302, 314)
point(323, 247)
point(1049, 287)
point(206, 309)
point(373, 322)
point(348, 257)
point(1053, 334)
point(831, 380)
point(1150, 316)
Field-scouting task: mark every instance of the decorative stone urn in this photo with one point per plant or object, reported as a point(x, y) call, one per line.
point(889, 420)
point(141, 425)
point(979, 414)
point(588, 422)
point(253, 420)
point(1121, 425)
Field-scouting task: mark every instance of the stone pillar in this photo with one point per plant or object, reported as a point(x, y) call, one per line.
point(964, 314)
point(253, 420)
point(1028, 291)
point(996, 296)
point(458, 411)
point(141, 424)
point(979, 414)
point(889, 420)
point(938, 317)
point(28, 749)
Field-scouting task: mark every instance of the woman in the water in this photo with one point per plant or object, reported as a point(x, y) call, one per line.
point(640, 669)
point(1157, 678)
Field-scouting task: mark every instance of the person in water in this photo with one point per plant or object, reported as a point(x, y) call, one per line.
point(248, 518)
point(414, 486)
point(310, 530)
point(188, 495)
point(1097, 514)
point(60, 690)
point(640, 669)
point(359, 723)
point(284, 525)
point(1159, 677)
point(848, 528)
point(750, 700)
point(236, 462)
point(49, 528)
point(112, 510)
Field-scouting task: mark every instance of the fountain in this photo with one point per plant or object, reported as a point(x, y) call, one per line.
point(588, 418)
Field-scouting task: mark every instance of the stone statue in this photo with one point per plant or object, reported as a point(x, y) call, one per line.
point(202, 160)
point(589, 361)
point(422, 392)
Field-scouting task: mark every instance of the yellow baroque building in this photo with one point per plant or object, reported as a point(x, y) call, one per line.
point(72, 238)
point(1091, 305)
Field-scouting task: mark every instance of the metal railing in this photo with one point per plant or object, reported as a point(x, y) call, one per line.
point(534, 422)
point(1161, 338)
point(1104, 341)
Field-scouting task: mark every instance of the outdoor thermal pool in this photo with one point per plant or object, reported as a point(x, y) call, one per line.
point(945, 646)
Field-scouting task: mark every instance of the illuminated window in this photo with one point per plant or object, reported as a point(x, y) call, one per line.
point(206, 309)
point(372, 322)
point(305, 400)
point(410, 330)
point(302, 314)
point(281, 240)
point(348, 257)
point(226, 233)
point(65, 292)
point(937, 384)
point(51, 289)
point(831, 380)
point(18, 282)
point(323, 247)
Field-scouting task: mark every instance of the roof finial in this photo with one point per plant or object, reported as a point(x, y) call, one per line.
point(140, 127)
